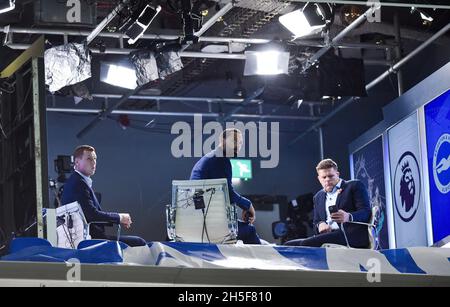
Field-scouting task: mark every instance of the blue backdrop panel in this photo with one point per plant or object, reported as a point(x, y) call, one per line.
point(368, 167)
point(437, 121)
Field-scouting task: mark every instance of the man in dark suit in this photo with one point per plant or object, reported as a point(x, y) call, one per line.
point(78, 188)
point(217, 165)
point(352, 202)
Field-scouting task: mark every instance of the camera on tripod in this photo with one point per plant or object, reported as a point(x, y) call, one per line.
point(63, 165)
point(298, 223)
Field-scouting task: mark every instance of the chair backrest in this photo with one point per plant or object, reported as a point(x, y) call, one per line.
point(373, 228)
point(201, 212)
point(72, 227)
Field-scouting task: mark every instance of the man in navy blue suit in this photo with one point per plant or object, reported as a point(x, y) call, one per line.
point(352, 202)
point(217, 165)
point(78, 188)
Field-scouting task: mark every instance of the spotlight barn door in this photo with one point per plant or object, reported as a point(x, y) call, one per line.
point(23, 145)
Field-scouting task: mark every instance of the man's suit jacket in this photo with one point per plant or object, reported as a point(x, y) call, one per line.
point(76, 189)
point(353, 199)
point(213, 166)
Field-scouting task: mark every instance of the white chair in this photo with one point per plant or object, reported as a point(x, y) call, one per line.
point(72, 226)
point(201, 212)
point(372, 228)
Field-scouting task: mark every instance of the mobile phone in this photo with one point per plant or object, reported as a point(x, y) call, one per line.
point(333, 209)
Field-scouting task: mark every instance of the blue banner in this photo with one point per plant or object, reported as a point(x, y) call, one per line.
point(437, 121)
point(422, 260)
point(369, 168)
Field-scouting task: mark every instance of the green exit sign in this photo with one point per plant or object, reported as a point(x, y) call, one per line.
point(242, 169)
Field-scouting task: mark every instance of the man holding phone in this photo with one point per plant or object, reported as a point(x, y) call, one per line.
point(337, 205)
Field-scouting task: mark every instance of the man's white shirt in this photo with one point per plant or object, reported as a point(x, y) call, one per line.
point(331, 198)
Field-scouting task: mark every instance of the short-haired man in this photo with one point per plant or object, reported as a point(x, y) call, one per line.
point(78, 188)
point(352, 202)
point(217, 165)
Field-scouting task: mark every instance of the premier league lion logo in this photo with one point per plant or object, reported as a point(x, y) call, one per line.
point(407, 188)
point(407, 183)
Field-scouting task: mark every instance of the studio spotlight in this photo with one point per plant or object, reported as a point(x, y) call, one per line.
point(142, 23)
point(118, 75)
point(310, 20)
point(7, 5)
point(266, 63)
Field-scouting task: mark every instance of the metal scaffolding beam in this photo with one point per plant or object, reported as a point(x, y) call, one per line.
point(71, 32)
point(189, 54)
point(180, 114)
point(256, 94)
point(125, 51)
point(34, 50)
point(340, 36)
point(103, 114)
point(106, 21)
point(223, 40)
point(175, 98)
point(214, 19)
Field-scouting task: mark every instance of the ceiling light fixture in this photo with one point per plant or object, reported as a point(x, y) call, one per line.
point(118, 75)
point(270, 62)
point(310, 20)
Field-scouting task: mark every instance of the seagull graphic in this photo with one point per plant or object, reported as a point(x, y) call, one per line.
point(443, 165)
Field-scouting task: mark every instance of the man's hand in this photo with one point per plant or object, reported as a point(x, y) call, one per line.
point(324, 228)
point(125, 220)
point(340, 217)
point(249, 215)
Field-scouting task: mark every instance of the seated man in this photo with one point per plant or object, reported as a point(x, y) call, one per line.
point(78, 188)
point(353, 205)
point(217, 165)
